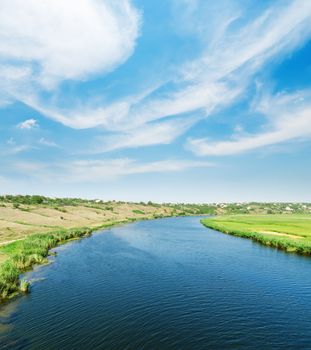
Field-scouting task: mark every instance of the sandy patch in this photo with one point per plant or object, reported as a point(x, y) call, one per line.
point(280, 234)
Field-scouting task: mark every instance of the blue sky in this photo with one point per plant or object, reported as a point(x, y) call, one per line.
point(169, 100)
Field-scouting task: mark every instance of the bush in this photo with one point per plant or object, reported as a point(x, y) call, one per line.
point(136, 211)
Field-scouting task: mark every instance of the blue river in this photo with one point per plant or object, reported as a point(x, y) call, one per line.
point(163, 284)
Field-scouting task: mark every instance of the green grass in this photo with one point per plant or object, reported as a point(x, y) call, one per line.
point(34, 249)
point(28, 252)
point(288, 232)
point(137, 211)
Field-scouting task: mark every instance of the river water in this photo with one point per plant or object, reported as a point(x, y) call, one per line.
point(163, 284)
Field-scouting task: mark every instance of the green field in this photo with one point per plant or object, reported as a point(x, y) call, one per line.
point(289, 232)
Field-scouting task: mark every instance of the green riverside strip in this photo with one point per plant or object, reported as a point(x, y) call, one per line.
point(34, 249)
point(291, 233)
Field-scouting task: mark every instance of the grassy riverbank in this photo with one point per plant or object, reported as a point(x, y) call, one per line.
point(288, 232)
point(22, 255)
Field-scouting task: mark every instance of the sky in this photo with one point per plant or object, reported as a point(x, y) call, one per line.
point(167, 100)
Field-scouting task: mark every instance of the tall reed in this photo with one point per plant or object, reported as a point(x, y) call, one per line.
point(22, 255)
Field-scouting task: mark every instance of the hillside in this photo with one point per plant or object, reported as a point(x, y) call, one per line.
point(24, 215)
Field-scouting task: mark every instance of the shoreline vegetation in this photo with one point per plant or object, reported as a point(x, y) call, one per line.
point(291, 233)
point(23, 254)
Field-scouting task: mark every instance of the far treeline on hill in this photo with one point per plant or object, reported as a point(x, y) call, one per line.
point(20, 201)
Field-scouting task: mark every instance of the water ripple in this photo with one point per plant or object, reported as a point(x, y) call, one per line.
point(164, 284)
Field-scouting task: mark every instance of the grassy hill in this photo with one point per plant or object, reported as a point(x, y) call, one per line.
point(20, 217)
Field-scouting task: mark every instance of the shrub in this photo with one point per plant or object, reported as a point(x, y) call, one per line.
point(137, 211)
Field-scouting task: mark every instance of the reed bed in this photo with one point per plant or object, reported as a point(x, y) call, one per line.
point(22, 255)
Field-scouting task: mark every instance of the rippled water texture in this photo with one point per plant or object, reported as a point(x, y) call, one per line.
point(164, 284)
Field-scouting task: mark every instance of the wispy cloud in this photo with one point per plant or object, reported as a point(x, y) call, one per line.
point(80, 171)
point(288, 118)
point(15, 149)
point(109, 169)
point(48, 143)
point(12, 148)
point(149, 134)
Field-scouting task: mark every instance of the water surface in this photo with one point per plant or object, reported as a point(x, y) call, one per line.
point(164, 284)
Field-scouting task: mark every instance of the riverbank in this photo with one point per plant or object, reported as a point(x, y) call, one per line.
point(23, 254)
point(291, 233)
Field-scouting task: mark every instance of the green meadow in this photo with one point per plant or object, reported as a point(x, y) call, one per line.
point(288, 232)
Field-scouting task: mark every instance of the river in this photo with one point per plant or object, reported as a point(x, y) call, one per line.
point(163, 284)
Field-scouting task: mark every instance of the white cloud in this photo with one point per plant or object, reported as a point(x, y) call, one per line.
point(11, 141)
point(53, 40)
point(146, 135)
point(83, 117)
point(97, 170)
point(237, 43)
point(289, 118)
point(100, 170)
point(236, 40)
point(28, 124)
point(14, 149)
point(44, 142)
point(204, 85)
